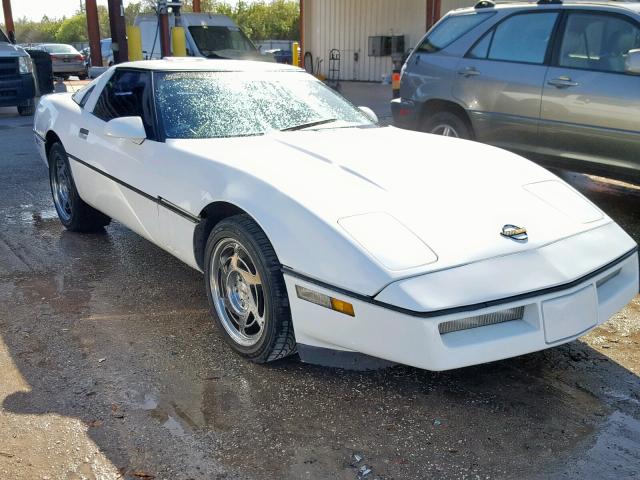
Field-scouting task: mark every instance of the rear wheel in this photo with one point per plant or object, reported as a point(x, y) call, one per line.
point(73, 212)
point(447, 124)
point(246, 290)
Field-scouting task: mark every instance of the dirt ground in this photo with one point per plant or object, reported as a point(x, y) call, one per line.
point(110, 368)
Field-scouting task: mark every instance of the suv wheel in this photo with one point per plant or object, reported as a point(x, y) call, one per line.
point(447, 124)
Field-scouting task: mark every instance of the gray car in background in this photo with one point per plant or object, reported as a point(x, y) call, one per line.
point(66, 60)
point(558, 83)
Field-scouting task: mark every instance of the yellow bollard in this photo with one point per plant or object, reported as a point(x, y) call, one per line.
point(178, 42)
point(295, 54)
point(134, 39)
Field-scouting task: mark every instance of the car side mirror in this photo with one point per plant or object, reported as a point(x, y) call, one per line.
point(632, 62)
point(131, 128)
point(369, 113)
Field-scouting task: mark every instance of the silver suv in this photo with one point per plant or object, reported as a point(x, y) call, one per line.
point(556, 82)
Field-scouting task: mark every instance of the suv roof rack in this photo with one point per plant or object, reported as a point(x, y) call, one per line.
point(549, 2)
point(484, 4)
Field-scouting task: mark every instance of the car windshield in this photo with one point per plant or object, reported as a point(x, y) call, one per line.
point(234, 104)
point(59, 48)
point(212, 41)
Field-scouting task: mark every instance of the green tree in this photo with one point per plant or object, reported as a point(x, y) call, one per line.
point(73, 30)
point(103, 21)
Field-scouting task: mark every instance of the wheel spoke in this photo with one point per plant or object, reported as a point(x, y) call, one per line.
point(252, 279)
point(242, 323)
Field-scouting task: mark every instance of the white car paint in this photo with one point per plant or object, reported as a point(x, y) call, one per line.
point(335, 203)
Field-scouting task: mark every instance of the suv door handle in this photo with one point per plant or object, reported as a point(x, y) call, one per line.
point(469, 72)
point(563, 82)
point(83, 133)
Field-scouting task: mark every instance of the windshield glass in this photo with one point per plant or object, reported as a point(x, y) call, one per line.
point(210, 40)
point(59, 48)
point(234, 104)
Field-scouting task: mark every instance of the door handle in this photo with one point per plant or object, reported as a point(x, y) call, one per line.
point(563, 82)
point(82, 133)
point(469, 72)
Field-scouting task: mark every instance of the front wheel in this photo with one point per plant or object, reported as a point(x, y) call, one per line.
point(73, 212)
point(447, 124)
point(27, 108)
point(246, 291)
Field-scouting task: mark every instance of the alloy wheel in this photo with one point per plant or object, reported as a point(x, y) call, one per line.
point(237, 292)
point(61, 188)
point(445, 130)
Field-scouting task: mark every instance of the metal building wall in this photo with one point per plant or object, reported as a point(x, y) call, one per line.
point(447, 5)
point(347, 25)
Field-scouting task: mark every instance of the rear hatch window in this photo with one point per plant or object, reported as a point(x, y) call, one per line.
point(450, 29)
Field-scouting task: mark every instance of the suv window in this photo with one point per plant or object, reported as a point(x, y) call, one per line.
point(450, 29)
point(3, 37)
point(127, 94)
point(597, 42)
point(522, 38)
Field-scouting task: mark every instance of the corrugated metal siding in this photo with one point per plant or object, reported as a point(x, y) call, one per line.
point(347, 25)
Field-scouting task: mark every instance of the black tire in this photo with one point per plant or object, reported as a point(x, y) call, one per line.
point(82, 76)
point(79, 217)
point(439, 121)
point(28, 108)
point(276, 339)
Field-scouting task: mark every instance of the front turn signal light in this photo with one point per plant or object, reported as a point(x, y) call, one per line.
point(325, 301)
point(342, 307)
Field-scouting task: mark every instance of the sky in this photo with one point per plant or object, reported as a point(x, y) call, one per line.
point(35, 9)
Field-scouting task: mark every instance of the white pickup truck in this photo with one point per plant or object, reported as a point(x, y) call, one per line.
point(208, 35)
point(17, 82)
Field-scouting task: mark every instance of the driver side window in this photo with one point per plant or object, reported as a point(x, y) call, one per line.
point(599, 42)
point(127, 94)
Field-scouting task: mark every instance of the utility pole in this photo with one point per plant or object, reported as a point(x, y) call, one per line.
point(8, 20)
point(118, 31)
point(197, 8)
point(93, 32)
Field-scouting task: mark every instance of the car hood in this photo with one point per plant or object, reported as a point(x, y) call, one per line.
point(10, 50)
point(454, 195)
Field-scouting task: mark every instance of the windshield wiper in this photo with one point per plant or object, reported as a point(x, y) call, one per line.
point(309, 124)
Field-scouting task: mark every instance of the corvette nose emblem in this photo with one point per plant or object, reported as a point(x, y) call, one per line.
point(514, 232)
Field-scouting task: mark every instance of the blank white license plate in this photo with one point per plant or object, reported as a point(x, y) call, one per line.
point(570, 315)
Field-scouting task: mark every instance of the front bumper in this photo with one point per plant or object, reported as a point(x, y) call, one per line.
point(17, 90)
point(549, 320)
point(406, 113)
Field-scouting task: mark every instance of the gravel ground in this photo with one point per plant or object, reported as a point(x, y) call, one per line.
point(112, 368)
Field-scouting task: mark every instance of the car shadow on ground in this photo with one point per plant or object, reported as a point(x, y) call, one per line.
point(116, 333)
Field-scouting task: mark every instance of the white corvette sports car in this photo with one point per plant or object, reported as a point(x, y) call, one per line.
point(319, 231)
